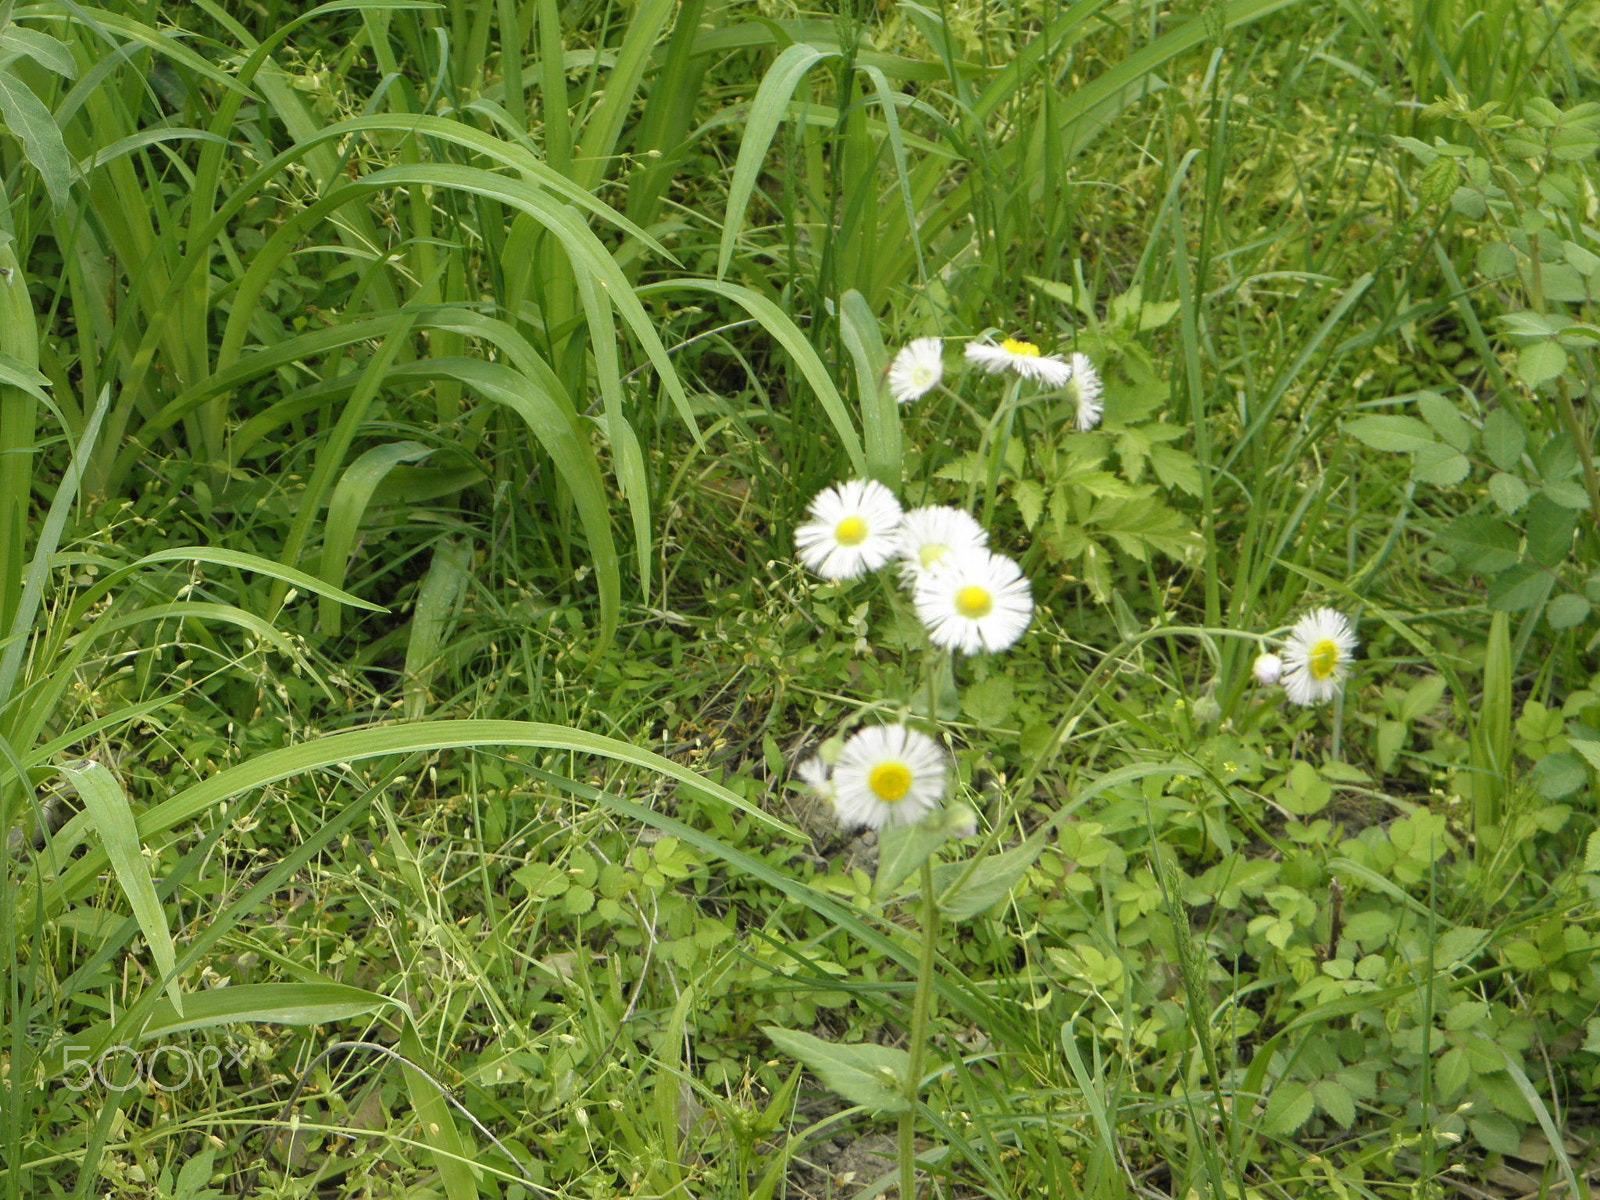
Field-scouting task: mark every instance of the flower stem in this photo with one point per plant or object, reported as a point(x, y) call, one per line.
point(921, 1011)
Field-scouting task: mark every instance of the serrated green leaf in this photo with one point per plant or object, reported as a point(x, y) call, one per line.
point(1445, 420)
point(1591, 854)
point(1508, 492)
point(1567, 610)
point(1450, 1074)
point(1335, 1100)
point(1559, 774)
point(1549, 528)
point(1540, 362)
point(1496, 260)
point(1504, 439)
point(863, 1073)
point(1289, 1107)
point(1028, 496)
point(1403, 435)
point(1307, 792)
point(1518, 588)
point(1441, 466)
point(1480, 543)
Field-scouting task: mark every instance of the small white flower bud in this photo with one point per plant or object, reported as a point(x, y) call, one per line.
point(1267, 669)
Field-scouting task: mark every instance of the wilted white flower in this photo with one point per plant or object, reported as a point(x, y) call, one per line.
point(974, 601)
point(1316, 656)
point(1022, 357)
point(916, 370)
point(851, 531)
point(928, 534)
point(1085, 385)
point(1267, 669)
point(887, 775)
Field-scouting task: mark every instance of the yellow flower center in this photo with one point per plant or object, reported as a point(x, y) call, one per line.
point(889, 781)
point(1020, 349)
point(932, 553)
point(851, 531)
point(1323, 659)
point(974, 602)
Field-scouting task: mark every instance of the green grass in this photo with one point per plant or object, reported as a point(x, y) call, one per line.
point(405, 414)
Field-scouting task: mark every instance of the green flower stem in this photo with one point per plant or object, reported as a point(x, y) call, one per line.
point(992, 449)
point(921, 1012)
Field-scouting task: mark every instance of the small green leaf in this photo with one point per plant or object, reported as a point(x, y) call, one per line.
point(1450, 1074)
point(1441, 466)
point(1480, 543)
point(1497, 260)
point(1289, 1108)
point(1567, 610)
point(1518, 588)
point(1445, 419)
point(1541, 362)
point(1398, 434)
point(1591, 854)
point(1307, 792)
point(865, 1074)
point(1508, 492)
point(1504, 439)
point(1559, 774)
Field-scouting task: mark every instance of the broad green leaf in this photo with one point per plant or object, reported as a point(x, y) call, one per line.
point(106, 806)
point(1508, 492)
point(1518, 588)
point(1504, 439)
point(1335, 1099)
point(1541, 362)
point(902, 849)
point(1591, 853)
point(1450, 1074)
point(33, 125)
point(451, 1154)
point(1397, 434)
point(966, 889)
point(1549, 528)
point(1307, 792)
point(1441, 466)
point(1559, 774)
point(1445, 420)
point(1289, 1107)
point(1480, 543)
point(1422, 698)
point(1567, 610)
point(865, 1074)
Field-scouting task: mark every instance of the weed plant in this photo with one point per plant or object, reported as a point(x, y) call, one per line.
point(411, 688)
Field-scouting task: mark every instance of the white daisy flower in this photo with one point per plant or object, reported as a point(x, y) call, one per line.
point(1022, 357)
point(1267, 669)
point(916, 370)
point(1316, 656)
point(813, 772)
point(928, 534)
point(887, 775)
point(851, 531)
point(1086, 385)
point(974, 601)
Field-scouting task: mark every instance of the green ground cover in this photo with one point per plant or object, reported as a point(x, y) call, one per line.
point(407, 671)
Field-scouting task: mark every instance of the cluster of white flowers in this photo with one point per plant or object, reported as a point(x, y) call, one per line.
point(967, 597)
point(919, 367)
point(1315, 660)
